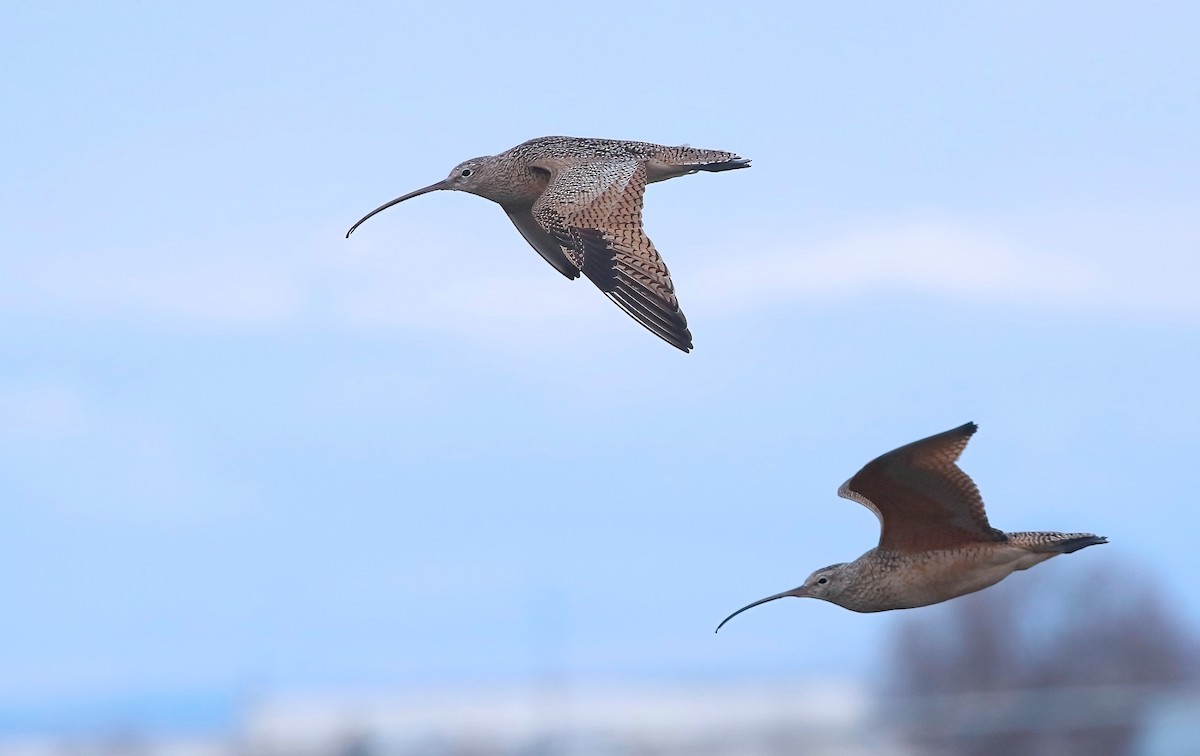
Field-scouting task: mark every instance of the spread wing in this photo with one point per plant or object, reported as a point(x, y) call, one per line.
point(594, 210)
point(922, 498)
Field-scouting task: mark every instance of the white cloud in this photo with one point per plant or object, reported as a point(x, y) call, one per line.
point(943, 259)
point(40, 411)
point(452, 281)
point(394, 289)
point(218, 287)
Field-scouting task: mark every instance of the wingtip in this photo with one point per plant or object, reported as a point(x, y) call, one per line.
point(681, 341)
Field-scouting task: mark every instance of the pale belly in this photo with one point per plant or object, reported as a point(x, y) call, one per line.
point(657, 170)
point(937, 576)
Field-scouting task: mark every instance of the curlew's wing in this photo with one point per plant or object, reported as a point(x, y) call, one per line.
point(923, 500)
point(594, 210)
point(546, 244)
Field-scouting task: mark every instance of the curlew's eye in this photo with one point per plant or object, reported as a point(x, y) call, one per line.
point(822, 581)
point(466, 173)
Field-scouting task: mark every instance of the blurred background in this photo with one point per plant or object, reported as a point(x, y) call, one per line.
point(266, 490)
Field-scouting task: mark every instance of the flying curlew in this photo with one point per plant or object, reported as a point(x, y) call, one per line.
point(578, 202)
point(935, 541)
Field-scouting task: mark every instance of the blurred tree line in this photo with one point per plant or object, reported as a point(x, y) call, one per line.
point(1040, 665)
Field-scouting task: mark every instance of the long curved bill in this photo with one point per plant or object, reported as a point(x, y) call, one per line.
point(431, 188)
point(797, 592)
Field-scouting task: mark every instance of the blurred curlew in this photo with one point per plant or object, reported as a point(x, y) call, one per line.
point(578, 202)
point(935, 541)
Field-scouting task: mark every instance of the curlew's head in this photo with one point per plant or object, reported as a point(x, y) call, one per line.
point(827, 584)
point(472, 176)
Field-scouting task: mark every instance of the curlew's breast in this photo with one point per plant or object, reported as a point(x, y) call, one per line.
point(911, 580)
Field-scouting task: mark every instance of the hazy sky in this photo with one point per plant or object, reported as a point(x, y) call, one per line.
point(242, 452)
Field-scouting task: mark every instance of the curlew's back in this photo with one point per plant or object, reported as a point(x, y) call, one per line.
point(590, 214)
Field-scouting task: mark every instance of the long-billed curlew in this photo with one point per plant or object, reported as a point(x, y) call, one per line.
point(935, 541)
point(578, 202)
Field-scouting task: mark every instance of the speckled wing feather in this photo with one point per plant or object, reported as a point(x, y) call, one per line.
point(922, 498)
point(595, 209)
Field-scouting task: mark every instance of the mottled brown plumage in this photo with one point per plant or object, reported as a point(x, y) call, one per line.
point(935, 542)
point(925, 502)
point(578, 202)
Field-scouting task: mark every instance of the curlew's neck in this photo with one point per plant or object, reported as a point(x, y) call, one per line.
point(868, 583)
point(510, 184)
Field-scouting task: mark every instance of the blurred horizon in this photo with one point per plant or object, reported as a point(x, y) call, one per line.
point(242, 456)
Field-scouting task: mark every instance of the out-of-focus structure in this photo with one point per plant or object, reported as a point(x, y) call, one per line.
point(1101, 667)
point(715, 720)
point(1097, 669)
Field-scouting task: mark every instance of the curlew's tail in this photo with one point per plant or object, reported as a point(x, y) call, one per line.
point(725, 165)
point(1056, 543)
point(669, 162)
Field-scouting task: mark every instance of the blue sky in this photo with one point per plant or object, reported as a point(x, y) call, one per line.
point(241, 452)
